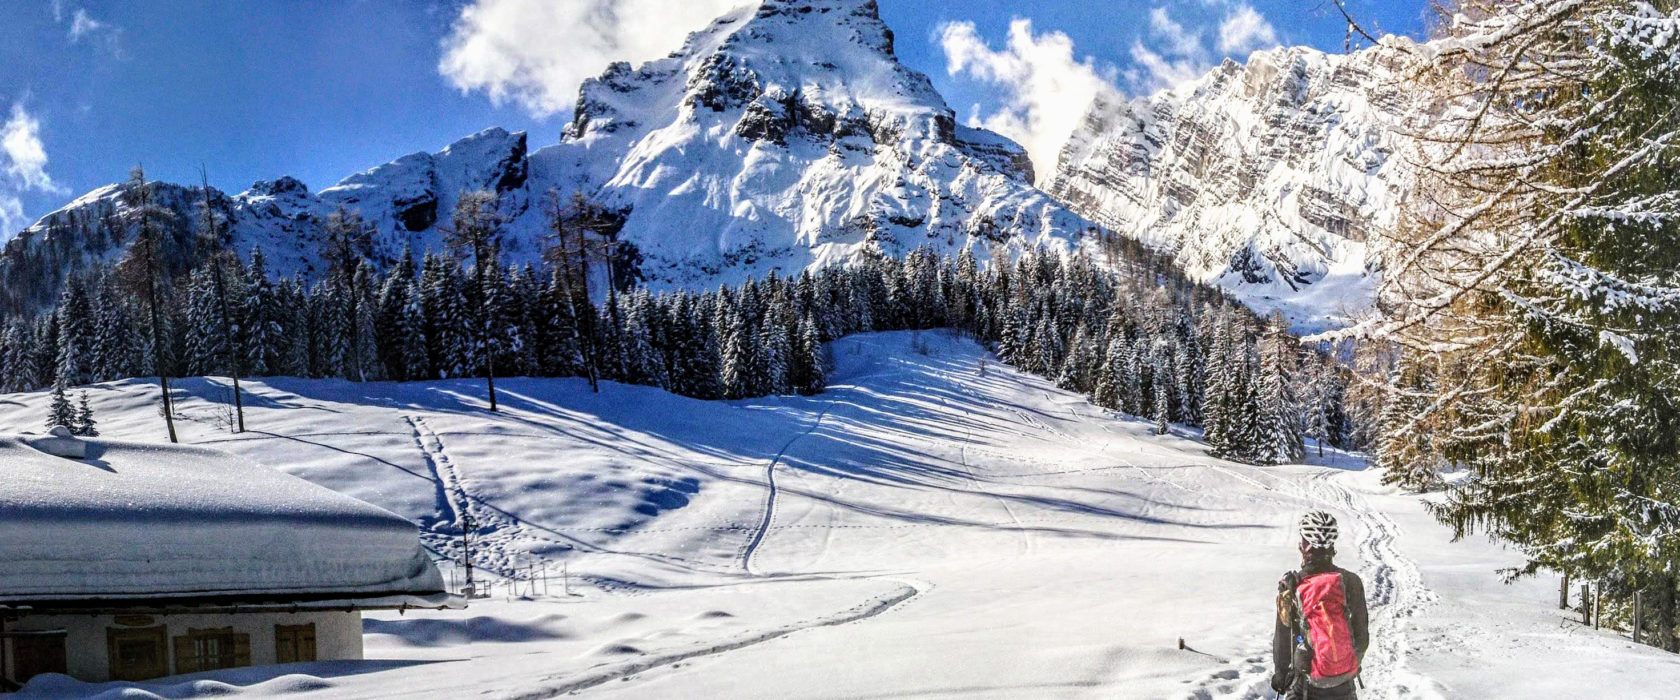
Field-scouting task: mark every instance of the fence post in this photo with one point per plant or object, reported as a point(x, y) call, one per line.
point(1598, 609)
point(1636, 616)
point(1563, 593)
point(1586, 605)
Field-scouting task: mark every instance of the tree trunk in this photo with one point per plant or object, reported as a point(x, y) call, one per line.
point(1664, 609)
point(227, 320)
point(232, 352)
point(157, 361)
point(484, 326)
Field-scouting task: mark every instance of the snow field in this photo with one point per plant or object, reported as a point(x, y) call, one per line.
point(934, 530)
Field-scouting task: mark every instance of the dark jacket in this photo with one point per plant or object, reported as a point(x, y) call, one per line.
point(1283, 635)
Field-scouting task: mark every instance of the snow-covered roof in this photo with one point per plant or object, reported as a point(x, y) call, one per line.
point(129, 522)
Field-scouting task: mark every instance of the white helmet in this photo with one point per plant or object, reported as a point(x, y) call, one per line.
point(1318, 530)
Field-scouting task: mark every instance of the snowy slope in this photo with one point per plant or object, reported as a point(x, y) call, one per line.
point(782, 136)
point(932, 525)
point(1270, 178)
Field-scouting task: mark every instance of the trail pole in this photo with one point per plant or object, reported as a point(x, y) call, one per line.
point(1586, 605)
point(1636, 616)
point(1563, 593)
point(466, 550)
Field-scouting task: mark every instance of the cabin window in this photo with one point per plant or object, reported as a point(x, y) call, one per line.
point(210, 649)
point(294, 643)
point(137, 653)
point(34, 653)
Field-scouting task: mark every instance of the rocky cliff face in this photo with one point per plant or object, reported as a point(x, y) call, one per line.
point(1267, 177)
point(789, 135)
point(780, 137)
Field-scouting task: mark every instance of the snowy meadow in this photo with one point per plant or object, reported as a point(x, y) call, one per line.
point(932, 524)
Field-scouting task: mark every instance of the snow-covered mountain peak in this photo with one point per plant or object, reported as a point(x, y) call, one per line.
point(824, 66)
point(782, 136)
point(786, 135)
point(1266, 176)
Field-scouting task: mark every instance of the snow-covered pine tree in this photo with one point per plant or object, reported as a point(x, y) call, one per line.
point(363, 360)
point(775, 357)
point(207, 351)
point(117, 352)
point(559, 343)
point(347, 245)
point(391, 318)
point(142, 270)
point(1133, 399)
point(1407, 455)
point(1217, 384)
point(1161, 391)
point(85, 425)
point(1541, 282)
point(76, 349)
point(21, 370)
point(1110, 375)
point(60, 412)
point(262, 320)
point(808, 365)
point(705, 362)
point(736, 349)
point(212, 244)
point(1278, 438)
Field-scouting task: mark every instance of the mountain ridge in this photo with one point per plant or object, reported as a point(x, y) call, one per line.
point(1265, 177)
point(781, 137)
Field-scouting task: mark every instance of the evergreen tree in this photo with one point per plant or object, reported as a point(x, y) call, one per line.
point(1279, 438)
point(142, 270)
point(392, 320)
point(76, 349)
point(477, 233)
point(1539, 282)
point(85, 425)
point(60, 412)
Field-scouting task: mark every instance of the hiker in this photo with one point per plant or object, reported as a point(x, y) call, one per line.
point(1317, 654)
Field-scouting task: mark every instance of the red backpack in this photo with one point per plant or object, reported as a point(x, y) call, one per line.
point(1324, 612)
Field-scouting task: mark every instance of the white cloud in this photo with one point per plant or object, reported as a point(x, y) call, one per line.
point(1046, 90)
point(24, 155)
point(23, 167)
point(1245, 30)
point(1179, 41)
point(537, 52)
point(83, 25)
point(1173, 53)
point(11, 216)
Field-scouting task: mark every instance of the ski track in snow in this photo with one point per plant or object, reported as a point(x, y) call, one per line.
point(573, 684)
point(771, 493)
point(496, 536)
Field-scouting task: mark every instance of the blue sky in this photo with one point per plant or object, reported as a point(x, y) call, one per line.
point(319, 89)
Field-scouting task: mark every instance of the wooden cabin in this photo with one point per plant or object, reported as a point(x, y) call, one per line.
point(127, 561)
